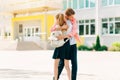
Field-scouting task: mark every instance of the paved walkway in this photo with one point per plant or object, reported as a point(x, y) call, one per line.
point(38, 65)
point(26, 74)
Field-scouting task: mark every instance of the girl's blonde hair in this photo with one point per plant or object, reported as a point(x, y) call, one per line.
point(60, 19)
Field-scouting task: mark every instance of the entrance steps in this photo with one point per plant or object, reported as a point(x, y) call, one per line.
point(27, 45)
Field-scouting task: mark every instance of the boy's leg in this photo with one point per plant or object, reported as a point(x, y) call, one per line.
point(60, 67)
point(74, 62)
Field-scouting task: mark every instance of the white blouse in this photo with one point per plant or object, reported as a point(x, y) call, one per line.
point(72, 39)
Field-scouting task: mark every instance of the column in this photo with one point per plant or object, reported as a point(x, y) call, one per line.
point(97, 17)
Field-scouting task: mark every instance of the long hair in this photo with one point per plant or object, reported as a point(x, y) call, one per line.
point(60, 19)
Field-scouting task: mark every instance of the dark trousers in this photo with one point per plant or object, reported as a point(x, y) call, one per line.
point(73, 52)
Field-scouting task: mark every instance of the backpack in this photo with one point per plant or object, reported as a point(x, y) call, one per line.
point(54, 42)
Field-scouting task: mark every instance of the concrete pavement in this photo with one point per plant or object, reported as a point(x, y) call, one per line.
point(38, 65)
point(27, 74)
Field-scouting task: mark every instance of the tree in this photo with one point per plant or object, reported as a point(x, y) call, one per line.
point(97, 45)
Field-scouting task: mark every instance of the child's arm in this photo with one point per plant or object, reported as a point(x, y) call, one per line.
point(74, 33)
point(74, 29)
point(53, 28)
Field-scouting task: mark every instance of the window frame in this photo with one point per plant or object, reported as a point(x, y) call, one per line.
point(108, 3)
point(78, 5)
point(89, 27)
point(108, 26)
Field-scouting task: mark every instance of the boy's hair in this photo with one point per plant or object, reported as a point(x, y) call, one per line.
point(60, 18)
point(69, 12)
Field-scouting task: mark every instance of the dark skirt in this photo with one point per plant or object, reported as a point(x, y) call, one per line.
point(62, 52)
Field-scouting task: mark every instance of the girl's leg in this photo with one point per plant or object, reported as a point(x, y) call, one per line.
point(56, 62)
point(67, 69)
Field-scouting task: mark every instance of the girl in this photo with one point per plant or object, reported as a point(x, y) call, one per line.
point(61, 52)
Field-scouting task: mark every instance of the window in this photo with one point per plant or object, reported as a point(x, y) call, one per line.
point(69, 3)
point(75, 4)
point(92, 3)
point(117, 19)
point(9, 34)
point(81, 29)
point(78, 4)
point(37, 30)
point(25, 31)
point(104, 2)
point(20, 28)
point(64, 4)
point(111, 26)
point(92, 26)
point(110, 2)
point(105, 28)
point(117, 28)
point(104, 20)
point(81, 3)
point(87, 27)
point(87, 3)
point(117, 1)
point(32, 31)
point(29, 33)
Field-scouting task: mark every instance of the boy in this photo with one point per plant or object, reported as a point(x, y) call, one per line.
point(73, 49)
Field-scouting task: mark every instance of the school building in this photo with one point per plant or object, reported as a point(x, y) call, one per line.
point(28, 20)
point(31, 21)
point(97, 17)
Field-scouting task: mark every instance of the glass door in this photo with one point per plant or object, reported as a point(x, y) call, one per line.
point(31, 33)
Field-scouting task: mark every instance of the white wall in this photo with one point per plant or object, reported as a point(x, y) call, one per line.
point(110, 11)
point(85, 14)
point(5, 23)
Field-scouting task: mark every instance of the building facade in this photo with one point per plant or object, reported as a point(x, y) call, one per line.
point(29, 21)
point(97, 17)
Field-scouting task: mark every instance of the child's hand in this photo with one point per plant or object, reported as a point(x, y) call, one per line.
point(60, 37)
point(66, 36)
point(58, 29)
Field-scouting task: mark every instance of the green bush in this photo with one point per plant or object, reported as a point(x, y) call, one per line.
point(97, 46)
point(103, 48)
point(115, 46)
point(84, 48)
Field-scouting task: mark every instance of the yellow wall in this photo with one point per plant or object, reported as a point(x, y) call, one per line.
point(49, 24)
point(50, 21)
point(80, 43)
